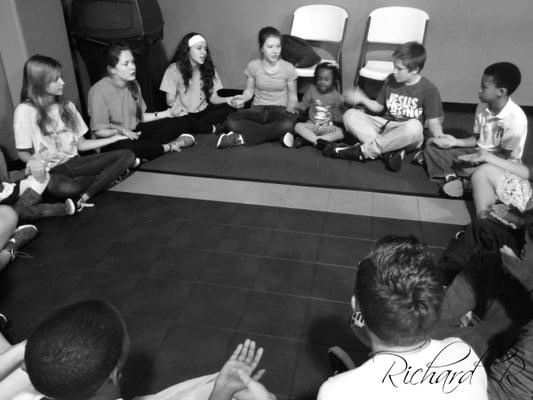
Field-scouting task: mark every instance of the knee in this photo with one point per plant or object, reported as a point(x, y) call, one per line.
point(9, 218)
point(286, 125)
point(483, 174)
point(415, 129)
point(127, 157)
point(350, 116)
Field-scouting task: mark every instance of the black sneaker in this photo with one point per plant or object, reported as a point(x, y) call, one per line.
point(321, 144)
point(418, 159)
point(346, 152)
point(299, 142)
point(3, 323)
point(339, 360)
point(22, 235)
point(393, 160)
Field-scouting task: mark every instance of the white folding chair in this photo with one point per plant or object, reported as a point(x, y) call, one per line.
point(320, 23)
point(392, 26)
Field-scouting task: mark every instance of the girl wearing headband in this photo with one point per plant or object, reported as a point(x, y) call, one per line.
point(191, 84)
point(116, 107)
point(271, 82)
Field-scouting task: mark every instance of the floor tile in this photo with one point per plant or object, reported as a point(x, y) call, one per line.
point(158, 231)
point(158, 298)
point(390, 226)
point(224, 190)
point(443, 211)
point(156, 184)
point(395, 206)
point(179, 263)
point(439, 235)
point(252, 215)
point(296, 246)
point(333, 283)
point(129, 258)
point(245, 240)
point(231, 269)
point(342, 251)
point(274, 315)
point(285, 276)
point(355, 226)
point(312, 369)
point(198, 235)
point(307, 198)
point(269, 194)
point(300, 221)
point(350, 202)
point(214, 306)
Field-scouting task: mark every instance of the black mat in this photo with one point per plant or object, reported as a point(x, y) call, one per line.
point(270, 162)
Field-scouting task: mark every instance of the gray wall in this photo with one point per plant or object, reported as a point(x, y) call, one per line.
point(463, 37)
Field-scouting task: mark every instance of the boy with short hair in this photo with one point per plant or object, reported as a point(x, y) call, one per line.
point(406, 103)
point(78, 352)
point(500, 127)
point(400, 298)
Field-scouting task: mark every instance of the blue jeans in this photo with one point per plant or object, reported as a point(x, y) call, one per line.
point(260, 124)
point(88, 174)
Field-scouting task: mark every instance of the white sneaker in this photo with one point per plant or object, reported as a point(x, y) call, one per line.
point(288, 140)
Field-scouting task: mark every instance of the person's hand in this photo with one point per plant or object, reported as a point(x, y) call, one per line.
point(519, 267)
point(237, 101)
point(131, 135)
point(292, 110)
point(355, 96)
point(177, 110)
point(245, 358)
point(118, 138)
point(444, 142)
point(37, 169)
point(254, 390)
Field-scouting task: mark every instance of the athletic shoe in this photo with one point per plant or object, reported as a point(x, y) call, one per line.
point(454, 188)
point(219, 128)
point(3, 322)
point(136, 163)
point(81, 204)
point(393, 160)
point(418, 158)
point(288, 140)
point(230, 139)
point(21, 235)
point(183, 140)
point(70, 206)
point(339, 360)
point(321, 144)
point(346, 152)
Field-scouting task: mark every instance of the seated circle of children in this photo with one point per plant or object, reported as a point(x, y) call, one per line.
point(406, 103)
point(500, 127)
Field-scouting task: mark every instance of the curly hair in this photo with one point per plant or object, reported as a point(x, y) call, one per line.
point(183, 63)
point(112, 57)
point(328, 66)
point(39, 72)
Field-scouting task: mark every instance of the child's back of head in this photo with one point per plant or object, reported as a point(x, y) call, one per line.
point(73, 352)
point(398, 292)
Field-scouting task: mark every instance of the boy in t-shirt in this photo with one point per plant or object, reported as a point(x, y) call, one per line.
point(500, 127)
point(406, 103)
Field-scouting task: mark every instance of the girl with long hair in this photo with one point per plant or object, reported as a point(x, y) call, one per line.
point(191, 84)
point(116, 107)
point(271, 82)
point(49, 132)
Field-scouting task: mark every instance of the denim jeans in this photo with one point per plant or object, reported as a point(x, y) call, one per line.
point(260, 124)
point(88, 174)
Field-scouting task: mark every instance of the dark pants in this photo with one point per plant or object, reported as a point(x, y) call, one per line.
point(504, 334)
point(88, 174)
point(480, 237)
point(203, 121)
point(440, 162)
point(154, 135)
point(260, 124)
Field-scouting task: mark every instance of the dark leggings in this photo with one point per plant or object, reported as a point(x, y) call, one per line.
point(154, 135)
point(203, 121)
point(259, 124)
point(88, 174)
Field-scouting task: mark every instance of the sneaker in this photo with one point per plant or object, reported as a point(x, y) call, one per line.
point(219, 128)
point(230, 139)
point(418, 158)
point(393, 160)
point(70, 206)
point(183, 140)
point(81, 204)
point(21, 235)
point(288, 140)
point(346, 152)
point(136, 163)
point(339, 360)
point(321, 144)
point(3, 322)
point(454, 188)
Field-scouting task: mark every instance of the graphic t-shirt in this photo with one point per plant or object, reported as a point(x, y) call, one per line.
point(402, 102)
point(332, 101)
point(54, 147)
point(506, 130)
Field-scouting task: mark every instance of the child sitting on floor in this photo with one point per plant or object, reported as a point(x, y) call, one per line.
point(325, 105)
point(500, 127)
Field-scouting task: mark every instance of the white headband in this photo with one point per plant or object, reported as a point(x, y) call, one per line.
point(196, 39)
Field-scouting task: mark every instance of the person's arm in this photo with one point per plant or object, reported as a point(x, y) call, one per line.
point(215, 98)
point(92, 144)
point(434, 126)
point(247, 94)
point(483, 156)
point(356, 96)
point(292, 97)
point(148, 117)
point(11, 358)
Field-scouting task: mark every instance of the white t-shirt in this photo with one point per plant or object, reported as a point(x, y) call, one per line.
point(60, 142)
point(442, 370)
point(506, 130)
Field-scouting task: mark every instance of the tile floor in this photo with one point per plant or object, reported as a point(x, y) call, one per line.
point(197, 265)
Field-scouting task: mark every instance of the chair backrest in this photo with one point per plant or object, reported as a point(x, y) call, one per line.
point(397, 25)
point(319, 22)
